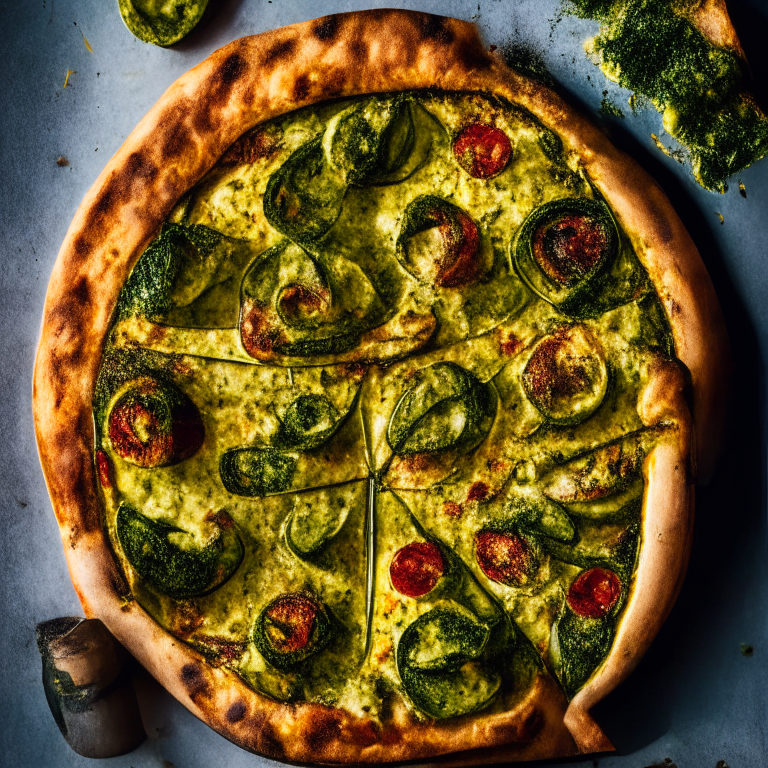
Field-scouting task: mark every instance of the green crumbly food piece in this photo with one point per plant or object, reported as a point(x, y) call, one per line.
point(649, 47)
point(161, 22)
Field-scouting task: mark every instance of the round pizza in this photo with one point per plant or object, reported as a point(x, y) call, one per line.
point(372, 386)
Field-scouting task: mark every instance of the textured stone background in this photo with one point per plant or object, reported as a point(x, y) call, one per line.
point(694, 698)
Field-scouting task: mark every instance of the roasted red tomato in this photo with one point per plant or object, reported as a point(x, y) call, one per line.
point(570, 247)
point(153, 424)
point(289, 623)
point(505, 557)
point(482, 151)
point(595, 593)
point(416, 568)
point(440, 243)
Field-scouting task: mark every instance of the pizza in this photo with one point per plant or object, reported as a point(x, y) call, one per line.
point(372, 385)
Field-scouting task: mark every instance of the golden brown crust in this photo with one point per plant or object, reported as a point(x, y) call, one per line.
point(202, 114)
point(711, 19)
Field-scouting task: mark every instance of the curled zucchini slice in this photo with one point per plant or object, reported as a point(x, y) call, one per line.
point(601, 473)
point(161, 22)
point(440, 244)
point(300, 305)
point(439, 659)
point(446, 407)
point(566, 377)
point(303, 197)
point(371, 141)
point(563, 249)
point(291, 629)
point(168, 559)
point(257, 471)
point(153, 424)
point(308, 422)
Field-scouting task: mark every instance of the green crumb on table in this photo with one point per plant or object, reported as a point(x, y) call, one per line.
point(746, 650)
point(650, 47)
point(609, 109)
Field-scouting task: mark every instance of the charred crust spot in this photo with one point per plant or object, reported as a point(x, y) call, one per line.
point(368, 734)
point(236, 712)
point(280, 50)
point(359, 50)
point(137, 166)
point(81, 293)
point(472, 54)
point(326, 28)
point(176, 140)
point(194, 681)
point(232, 68)
point(301, 88)
point(324, 728)
point(434, 28)
point(269, 744)
point(81, 246)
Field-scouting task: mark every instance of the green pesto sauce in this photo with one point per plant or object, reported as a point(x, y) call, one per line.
point(650, 47)
point(357, 428)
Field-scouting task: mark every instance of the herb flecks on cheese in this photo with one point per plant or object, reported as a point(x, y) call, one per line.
point(367, 418)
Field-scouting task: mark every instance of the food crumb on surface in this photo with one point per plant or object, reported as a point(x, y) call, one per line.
point(746, 649)
point(69, 72)
point(666, 763)
point(722, 220)
point(742, 189)
point(62, 161)
point(721, 764)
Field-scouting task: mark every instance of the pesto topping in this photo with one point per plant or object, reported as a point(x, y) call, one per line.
point(650, 47)
point(415, 360)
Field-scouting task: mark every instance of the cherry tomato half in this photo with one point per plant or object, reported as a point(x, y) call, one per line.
point(595, 593)
point(416, 568)
point(482, 151)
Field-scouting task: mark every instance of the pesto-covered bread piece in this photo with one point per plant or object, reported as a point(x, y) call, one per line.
point(161, 22)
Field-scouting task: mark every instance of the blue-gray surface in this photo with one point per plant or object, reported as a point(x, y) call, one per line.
point(694, 698)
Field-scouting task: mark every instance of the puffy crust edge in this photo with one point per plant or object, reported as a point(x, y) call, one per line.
point(251, 80)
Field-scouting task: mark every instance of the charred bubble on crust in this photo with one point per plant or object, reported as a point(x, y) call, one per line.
point(236, 712)
point(301, 88)
point(118, 191)
point(232, 69)
point(326, 29)
point(566, 377)
point(281, 50)
point(434, 28)
point(194, 681)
